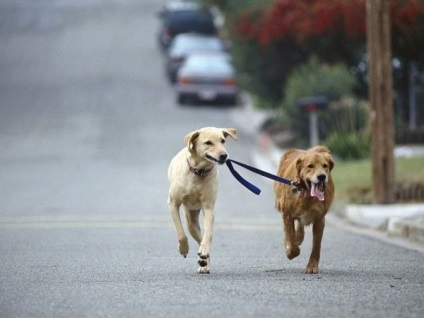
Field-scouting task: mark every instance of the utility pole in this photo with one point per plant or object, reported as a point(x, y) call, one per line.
point(381, 99)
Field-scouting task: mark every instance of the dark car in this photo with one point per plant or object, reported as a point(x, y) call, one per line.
point(207, 77)
point(185, 44)
point(184, 17)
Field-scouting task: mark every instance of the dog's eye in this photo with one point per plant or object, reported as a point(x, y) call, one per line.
point(325, 166)
point(310, 166)
point(208, 143)
point(222, 141)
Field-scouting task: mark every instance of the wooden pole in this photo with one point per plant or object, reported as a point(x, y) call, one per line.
point(381, 99)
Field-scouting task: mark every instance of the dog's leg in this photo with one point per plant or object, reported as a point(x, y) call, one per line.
point(193, 224)
point(292, 249)
point(205, 244)
point(182, 238)
point(317, 233)
point(300, 233)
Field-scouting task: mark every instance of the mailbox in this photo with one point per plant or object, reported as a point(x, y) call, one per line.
point(313, 103)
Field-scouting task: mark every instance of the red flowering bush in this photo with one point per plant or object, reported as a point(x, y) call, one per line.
point(334, 30)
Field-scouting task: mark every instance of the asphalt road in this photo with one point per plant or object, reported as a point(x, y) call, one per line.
point(88, 125)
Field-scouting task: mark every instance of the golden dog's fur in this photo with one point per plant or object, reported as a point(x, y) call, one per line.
point(312, 168)
point(193, 183)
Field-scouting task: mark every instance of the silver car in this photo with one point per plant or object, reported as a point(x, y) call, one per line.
point(207, 77)
point(185, 44)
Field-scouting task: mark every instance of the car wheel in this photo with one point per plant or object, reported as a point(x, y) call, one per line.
point(181, 99)
point(232, 100)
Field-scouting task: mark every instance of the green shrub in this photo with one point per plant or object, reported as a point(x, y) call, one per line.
point(343, 125)
point(314, 78)
point(344, 116)
point(344, 129)
point(348, 146)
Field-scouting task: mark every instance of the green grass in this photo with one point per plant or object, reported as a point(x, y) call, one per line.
point(353, 177)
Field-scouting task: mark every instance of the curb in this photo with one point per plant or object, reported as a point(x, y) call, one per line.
point(397, 220)
point(411, 228)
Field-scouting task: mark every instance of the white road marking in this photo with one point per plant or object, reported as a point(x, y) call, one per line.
point(99, 221)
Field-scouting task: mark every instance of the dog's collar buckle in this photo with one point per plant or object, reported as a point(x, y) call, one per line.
point(297, 186)
point(200, 173)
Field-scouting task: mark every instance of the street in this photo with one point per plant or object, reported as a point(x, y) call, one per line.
point(88, 126)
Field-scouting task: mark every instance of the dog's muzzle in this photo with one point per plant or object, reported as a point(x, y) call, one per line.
point(317, 189)
point(221, 159)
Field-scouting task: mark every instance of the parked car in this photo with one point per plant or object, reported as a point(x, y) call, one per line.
point(185, 44)
point(207, 77)
point(183, 17)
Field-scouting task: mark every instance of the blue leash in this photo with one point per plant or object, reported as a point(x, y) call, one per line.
point(296, 185)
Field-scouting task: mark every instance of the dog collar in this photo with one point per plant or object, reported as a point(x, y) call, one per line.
point(301, 186)
point(200, 173)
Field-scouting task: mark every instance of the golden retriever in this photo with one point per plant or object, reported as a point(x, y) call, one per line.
point(193, 183)
point(312, 169)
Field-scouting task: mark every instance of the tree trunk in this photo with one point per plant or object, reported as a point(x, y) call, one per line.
point(381, 99)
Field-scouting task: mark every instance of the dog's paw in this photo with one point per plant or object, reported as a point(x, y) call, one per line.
point(203, 270)
point(183, 246)
point(203, 260)
point(312, 268)
point(292, 252)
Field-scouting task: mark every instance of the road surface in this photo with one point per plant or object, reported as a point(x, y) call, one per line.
point(88, 125)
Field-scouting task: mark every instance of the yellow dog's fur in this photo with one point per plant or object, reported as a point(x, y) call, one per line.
point(309, 167)
point(193, 183)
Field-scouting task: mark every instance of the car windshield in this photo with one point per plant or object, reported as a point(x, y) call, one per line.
point(182, 45)
point(209, 63)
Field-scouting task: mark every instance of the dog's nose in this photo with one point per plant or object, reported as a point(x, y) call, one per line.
point(321, 177)
point(223, 157)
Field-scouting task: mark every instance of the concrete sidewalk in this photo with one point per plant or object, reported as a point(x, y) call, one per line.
point(397, 220)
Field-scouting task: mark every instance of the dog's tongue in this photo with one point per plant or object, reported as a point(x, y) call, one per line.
point(317, 193)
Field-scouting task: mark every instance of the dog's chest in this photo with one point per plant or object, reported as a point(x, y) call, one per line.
point(194, 195)
point(308, 214)
point(192, 202)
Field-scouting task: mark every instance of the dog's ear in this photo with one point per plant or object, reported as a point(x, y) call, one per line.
point(230, 132)
point(329, 160)
point(190, 138)
point(299, 163)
